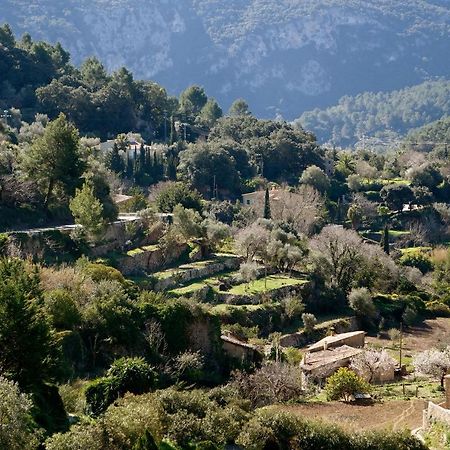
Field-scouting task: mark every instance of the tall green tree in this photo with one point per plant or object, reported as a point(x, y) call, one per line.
point(192, 100)
point(210, 113)
point(384, 243)
point(267, 213)
point(54, 160)
point(88, 210)
point(239, 108)
point(27, 344)
point(115, 161)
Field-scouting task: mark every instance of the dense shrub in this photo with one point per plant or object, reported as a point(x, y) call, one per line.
point(344, 383)
point(417, 259)
point(62, 308)
point(125, 375)
point(101, 272)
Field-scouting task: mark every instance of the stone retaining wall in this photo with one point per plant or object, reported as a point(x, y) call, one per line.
point(190, 272)
point(435, 413)
point(149, 260)
point(273, 294)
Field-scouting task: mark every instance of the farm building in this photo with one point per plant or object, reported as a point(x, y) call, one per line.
point(321, 364)
point(324, 357)
point(240, 350)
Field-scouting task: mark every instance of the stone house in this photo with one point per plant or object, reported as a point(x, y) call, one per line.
point(239, 350)
point(320, 364)
point(329, 354)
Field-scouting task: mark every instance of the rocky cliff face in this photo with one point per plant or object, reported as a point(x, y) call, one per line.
point(284, 56)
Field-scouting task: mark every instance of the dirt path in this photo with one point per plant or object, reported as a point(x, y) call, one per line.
point(395, 414)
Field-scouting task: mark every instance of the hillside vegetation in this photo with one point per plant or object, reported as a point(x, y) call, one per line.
point(387, 115)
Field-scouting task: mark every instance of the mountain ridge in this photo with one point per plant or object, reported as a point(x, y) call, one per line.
point(285, 57)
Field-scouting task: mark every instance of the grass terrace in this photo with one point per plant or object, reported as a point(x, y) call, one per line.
point(265, 284)
point(139, 250)
point(195, 286)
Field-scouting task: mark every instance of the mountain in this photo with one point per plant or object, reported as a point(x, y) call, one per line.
point(283, 56)
point(384, 115)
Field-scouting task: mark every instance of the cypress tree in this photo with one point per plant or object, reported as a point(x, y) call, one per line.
point(267, 213)
point(384, 243)
point(129, 166)
point(171, 168)
point(142, 159)
point(115, 161)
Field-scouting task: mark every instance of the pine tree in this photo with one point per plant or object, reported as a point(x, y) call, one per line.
point(267, 213)
point(87, 210)
point(384, 243)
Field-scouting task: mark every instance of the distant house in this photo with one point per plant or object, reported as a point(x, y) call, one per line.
point(239, 350)
point(133, 147)
point(257, 197)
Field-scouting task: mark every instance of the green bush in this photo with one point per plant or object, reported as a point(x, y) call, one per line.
point(3, 243)
point(418, 260)
point(344, 383)
point(62, 309)
point(179, 193)
point(99, 272)
point(125, 375)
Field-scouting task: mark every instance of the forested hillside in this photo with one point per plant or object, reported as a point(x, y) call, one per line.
point(386, 115)
point(283, 56)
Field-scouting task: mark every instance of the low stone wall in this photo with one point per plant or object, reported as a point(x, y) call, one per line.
point(57, 242)
point(149, 260)
point(279, 293)
point(435, 413)
point(189, 272)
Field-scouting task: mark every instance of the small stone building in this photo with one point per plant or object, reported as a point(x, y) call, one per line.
point(239, 350)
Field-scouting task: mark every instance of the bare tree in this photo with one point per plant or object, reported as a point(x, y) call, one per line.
point(337, 252)
point(302, 210)
point(251, 240)
point(155, 337)
point(342, 256)
point(272, 383)
point(369, 363)
point(433, 362)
